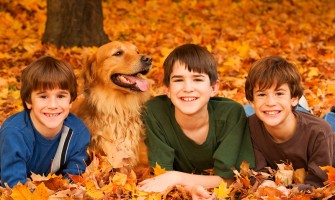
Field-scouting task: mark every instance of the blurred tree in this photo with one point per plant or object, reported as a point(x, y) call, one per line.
point(74, 23)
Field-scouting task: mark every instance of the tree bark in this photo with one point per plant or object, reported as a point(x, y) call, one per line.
point(74, 23)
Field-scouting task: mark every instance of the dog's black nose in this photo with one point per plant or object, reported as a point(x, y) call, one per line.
point(146, 59)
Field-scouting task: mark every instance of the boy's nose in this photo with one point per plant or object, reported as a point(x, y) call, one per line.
point(270, 100)
point(188, 86)
point(53, 102)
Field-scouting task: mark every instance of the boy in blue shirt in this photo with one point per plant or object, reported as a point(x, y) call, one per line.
point(45, 137)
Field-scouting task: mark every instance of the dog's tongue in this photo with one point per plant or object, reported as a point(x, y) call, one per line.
point(142, 84)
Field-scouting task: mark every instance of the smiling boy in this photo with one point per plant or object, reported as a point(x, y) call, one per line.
point(279, 133)
point(45, 137)
point(189, 130)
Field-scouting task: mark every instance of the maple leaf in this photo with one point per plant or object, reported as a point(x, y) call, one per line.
point(299, 176)
point(222, 191)
point(119, 179)
point(284, 174)
point(41, 192)
point(158, 170)
point(331, 175)
point(93, 191)
point(76, 178)
point(116, 158)
point(20, 191)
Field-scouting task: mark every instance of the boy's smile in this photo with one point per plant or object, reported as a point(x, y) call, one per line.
point(48, 110)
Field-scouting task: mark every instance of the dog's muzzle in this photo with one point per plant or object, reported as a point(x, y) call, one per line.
point(133, 81)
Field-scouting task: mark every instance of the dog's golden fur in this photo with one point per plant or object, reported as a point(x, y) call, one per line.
point(114, 93)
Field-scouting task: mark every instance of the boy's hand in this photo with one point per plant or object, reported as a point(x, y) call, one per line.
point(160, 183)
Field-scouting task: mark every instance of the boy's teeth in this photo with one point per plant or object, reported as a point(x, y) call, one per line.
point(272, 112)
point(51, 115)
point(189, 99)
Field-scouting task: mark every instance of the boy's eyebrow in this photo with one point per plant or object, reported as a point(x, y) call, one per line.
point(199, 75)
point(276, 89)
point(180, 76)
point(64, 92)
point(40, 91)
point(176, 76)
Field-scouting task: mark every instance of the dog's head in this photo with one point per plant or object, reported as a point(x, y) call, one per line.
point(118, 65)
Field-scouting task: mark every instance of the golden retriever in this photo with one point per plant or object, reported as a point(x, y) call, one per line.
point(114, 91)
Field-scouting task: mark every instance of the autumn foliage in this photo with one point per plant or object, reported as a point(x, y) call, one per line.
point(236, 32)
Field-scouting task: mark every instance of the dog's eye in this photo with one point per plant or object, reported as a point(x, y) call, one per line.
point(118, 53)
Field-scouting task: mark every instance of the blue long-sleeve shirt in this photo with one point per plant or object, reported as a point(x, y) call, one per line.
point(24, 150)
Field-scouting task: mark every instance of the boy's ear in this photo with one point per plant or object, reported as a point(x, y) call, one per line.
point(294, 101)
point(215, 88)
point(252, 104)
point(166, 90)
point(28, 105)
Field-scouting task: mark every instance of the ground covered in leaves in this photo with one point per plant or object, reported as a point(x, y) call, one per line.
point(236, 32)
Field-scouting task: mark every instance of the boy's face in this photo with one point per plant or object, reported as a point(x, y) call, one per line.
point(274, 105)
point(190, 91)
point(48, 110)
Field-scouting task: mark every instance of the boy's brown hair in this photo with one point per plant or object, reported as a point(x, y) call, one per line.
point(273, 70)
point(47, 73)
point(195, 58)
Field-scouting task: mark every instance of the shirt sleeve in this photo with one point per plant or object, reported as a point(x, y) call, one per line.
point(234, 147)
point(322, 155)
point(158, 149)
point(77, 154)
point(14, 153)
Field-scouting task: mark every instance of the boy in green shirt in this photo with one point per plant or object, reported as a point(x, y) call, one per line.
point(189, 130)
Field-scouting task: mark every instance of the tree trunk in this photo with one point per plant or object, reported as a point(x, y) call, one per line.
point(74, 23)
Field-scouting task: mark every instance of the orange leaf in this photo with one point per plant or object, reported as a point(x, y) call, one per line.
point(331, 175)
point(41, 192)
point(76, 178)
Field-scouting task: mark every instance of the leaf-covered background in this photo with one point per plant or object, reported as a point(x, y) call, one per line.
point(236, 32)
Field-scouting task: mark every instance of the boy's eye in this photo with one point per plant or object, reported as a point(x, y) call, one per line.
point(43, 96)
point(260, 95)
point(177, 80)
point(198, 79)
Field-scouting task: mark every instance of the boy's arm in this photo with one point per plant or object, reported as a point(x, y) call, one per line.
point(322, 155)
point(158, 149)
point(235, 146)
point(75, 163)
point(171, 178)
point(13, 153)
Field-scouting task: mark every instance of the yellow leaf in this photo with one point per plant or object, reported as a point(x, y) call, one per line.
point(21, 192)
point(313, 71)
point(158, 170)
point(243, 50)
point(92, 191)
point(119, 179)
point(41, 192)
point(222, 191)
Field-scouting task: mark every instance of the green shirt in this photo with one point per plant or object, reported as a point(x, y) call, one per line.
point(227, 144)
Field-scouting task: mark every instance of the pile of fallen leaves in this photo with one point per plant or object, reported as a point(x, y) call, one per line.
point(102, 181)
point(237, 32)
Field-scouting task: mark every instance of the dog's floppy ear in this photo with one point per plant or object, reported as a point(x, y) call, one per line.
point(89, 73)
